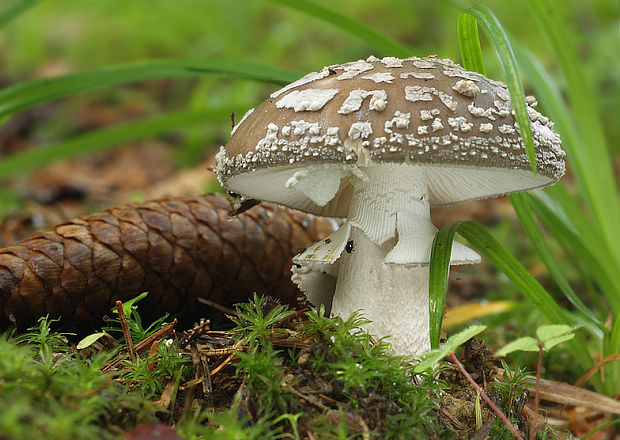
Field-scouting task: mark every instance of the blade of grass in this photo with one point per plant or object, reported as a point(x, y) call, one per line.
point(106, 138)
point(508, 63)
point(569, 238)
point(599, 180)
point(438, 281)
point(28, 94)
point(592, 235)
point(469, 43)
point(487, 246)
point(577, 156)
point(380, 42)
point(13, 11)
point(611, 346)
point(526, 217)
point(551, 99)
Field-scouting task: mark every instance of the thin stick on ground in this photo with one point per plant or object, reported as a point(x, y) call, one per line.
point(537, 392)
point(486, 398)
point(163, 332)
point(126, 332)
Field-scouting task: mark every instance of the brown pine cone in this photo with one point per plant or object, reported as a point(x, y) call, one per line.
point(177, 250)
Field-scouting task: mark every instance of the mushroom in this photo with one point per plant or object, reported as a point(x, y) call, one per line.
point(380, 141)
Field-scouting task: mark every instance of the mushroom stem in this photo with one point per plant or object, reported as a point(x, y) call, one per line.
point(384, 272)
point(393, 296)
point(383, 251)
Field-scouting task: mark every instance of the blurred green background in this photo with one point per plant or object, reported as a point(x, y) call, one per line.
point(61, 36)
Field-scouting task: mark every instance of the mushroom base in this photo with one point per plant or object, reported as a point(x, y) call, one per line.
point(385, 294)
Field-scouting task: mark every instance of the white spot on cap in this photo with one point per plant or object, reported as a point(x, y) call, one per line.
point(417, 93)
point(300, 127)
point(418, 75)
point(437, 125)
point(392, 62)
point(502, 94)
point(422, 129)
point(400, 120)
point(313, 76)
point(351, 70)
point(466, 87)
point(481, 112)
point(460, 123)
point(486, 127)
point(378, 100)
point(353, 102)
point(421, 93)
point(307, 100)
point(459, 72)
point(447, 100)
point(503, 109)
point(424, 64)
point(380, 77)
point(360, 130)
point(506, 129)
point(426, 115)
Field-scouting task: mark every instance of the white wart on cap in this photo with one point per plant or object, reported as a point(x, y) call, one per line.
point(379, 142)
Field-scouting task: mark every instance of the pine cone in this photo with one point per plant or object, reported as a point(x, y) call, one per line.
point(177, 250)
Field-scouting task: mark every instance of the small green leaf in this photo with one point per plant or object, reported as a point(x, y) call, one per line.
point(555, 341)
point(526, 343)
point(551, 331)
point(453, 342)
point(553, 334)
point(89, 340)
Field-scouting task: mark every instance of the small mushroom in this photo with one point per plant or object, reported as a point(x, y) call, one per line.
point(380, 141)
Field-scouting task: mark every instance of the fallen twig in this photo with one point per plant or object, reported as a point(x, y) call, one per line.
point(486, 398)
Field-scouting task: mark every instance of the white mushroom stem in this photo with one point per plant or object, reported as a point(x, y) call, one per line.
point(385, 274)
point(393, 297)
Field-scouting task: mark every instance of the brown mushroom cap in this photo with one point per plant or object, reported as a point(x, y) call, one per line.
point(428, 111)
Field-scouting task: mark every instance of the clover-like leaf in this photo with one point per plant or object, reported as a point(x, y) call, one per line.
point(526, 343)
point(554, 334)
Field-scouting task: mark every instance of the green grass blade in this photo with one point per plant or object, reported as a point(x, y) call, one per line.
point(380, 42)
point(612, 345)
point(487, 246)
point(508, 63)
point(526, 217)
point(106, 138)
point(491, 249)
point(559, 226)
point(601, 193)
point(592, 235)
point(14, 10)
point(577, 156)
point(469, 43)
point(31, 93)
point(438, 280)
